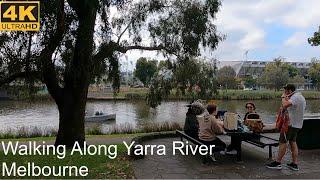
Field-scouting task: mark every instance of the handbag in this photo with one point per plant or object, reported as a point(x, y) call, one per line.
point(255, 125)
point(282, 122)
point(254, 122)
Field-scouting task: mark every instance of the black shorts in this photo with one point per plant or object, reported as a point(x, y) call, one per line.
point(290, 136)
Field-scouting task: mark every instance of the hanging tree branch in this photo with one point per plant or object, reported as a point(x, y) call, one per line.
point(49, 74)
point(15, 76)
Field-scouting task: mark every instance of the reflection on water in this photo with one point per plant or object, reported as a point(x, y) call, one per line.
point(15, 114)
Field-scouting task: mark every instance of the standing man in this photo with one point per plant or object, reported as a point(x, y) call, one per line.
point(295, 103)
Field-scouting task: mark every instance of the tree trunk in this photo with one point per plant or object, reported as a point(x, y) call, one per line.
point(71, 118)
point(74, 95)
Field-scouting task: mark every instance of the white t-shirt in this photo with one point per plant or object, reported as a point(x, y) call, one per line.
point(296, 111)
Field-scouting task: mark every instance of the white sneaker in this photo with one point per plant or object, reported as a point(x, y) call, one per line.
point(223, 152)
point(232, 152)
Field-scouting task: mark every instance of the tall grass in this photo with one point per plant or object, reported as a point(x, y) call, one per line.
point(248, 95)
point(27, 132)
point(150, 127)
point(311, 94)
point(159, 127)
point(230, 95)
point(126, 128)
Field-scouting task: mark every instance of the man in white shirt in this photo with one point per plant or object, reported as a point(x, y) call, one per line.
point(295, 103)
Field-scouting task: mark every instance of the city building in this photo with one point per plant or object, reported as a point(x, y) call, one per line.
point(256, 68)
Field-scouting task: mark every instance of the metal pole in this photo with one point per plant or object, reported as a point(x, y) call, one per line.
point(245, 72)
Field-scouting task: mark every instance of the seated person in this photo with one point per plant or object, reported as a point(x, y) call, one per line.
point(209, 126)
point(235, 140)
point(251, 112)
point(191, 126)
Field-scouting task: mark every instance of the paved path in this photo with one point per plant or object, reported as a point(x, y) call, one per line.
point(253, 165)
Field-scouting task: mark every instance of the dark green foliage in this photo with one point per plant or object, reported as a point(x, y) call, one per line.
point(167, 64)
point(276, 74)
point(227, 77)
point(207, 82)
point(185, 73)
point(315, 40)
point(293, 71)
point(159, 89)
point(314, 72)
point(114, 73)
point(145, 70)
point(189, 75)
point(250, 82)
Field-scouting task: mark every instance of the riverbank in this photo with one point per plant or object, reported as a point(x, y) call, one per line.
point(222, 95)
point(117, 130)
point(141, 94)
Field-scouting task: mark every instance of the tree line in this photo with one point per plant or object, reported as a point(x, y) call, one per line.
point(202, 79)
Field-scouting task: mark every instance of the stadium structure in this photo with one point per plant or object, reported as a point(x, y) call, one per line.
point(256, 68)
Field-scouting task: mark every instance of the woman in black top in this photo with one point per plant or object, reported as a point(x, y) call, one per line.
point(251, 108)
point(235, 140)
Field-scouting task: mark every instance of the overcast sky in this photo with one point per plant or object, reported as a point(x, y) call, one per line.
point(267, 28)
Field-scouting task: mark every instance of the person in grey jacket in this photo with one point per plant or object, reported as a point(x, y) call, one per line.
point(209, 127)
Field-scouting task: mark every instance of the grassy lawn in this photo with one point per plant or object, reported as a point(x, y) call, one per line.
point(141, 92)
point(100, 166)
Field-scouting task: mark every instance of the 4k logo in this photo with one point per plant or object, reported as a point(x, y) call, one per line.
point(20, 15)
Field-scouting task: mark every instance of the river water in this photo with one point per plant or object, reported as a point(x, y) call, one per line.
point(17, 114)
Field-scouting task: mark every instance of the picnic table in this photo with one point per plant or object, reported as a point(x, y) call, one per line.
point(256, 139)
point(248, 137)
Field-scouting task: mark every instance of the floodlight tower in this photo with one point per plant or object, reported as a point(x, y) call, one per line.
point(245, 61)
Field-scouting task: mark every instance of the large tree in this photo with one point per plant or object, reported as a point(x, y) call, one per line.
point(79, 40)
point(276, 74)
point(193, 73)
point(314, 72)
point(227, 77)
point(145, 69)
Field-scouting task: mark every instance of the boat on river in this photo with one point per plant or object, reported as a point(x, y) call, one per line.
point(100, 116)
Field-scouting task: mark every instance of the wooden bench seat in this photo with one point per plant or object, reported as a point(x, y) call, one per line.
point(182, 135)
point(263, 141)
point(254, 139)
